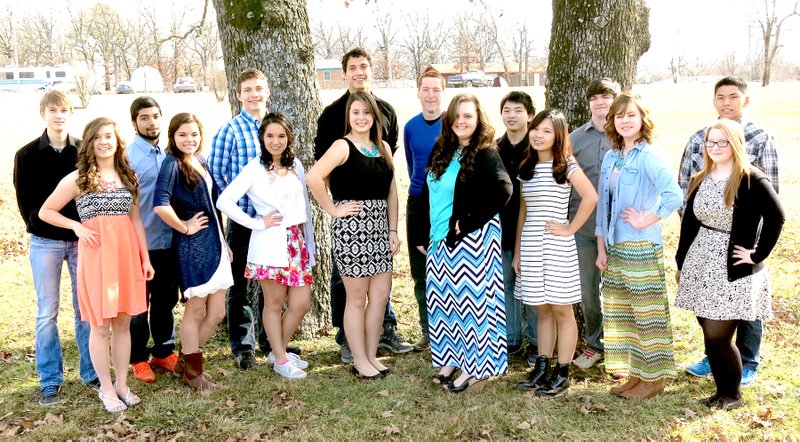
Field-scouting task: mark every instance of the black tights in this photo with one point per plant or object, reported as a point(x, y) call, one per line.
point(723, 356)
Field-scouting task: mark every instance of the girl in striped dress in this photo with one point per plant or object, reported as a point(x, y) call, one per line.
point(546, 260)
point(636, 191)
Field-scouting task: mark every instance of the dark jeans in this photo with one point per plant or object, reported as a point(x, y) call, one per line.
point(416, 263)
point(243, 323)
point(518, 315)
point(590, 290)
point(162, 296)
point(748, 341)
point(339, 300)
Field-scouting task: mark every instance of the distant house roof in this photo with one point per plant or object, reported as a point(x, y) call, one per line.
point(444, 68)
point(329, 64)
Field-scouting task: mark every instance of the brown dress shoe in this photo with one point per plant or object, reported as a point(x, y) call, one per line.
point(621, 388)
point(645, 390)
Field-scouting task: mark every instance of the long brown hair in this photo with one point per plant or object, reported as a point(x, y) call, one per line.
point(287, 157)
point(447, 143)
point(741, 165)
point(618, 107)
point(376, 131)
point(89, 174)
point(562, 147)
point(185, 160)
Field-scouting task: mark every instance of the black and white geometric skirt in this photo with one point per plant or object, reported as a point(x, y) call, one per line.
point(361, 241)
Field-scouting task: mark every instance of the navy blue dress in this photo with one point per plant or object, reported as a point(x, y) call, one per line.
point(199, 255)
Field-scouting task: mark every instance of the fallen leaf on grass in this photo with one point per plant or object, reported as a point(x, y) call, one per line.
point(7, 414)
point(230, 403)
point(524, 426)
point(689, 414)
point(387, 414)
point(177, 436)
point(390, 430)
point(759, 423)
point(25, 423)
point(384, 393)
point(584, 409)
point(454, 419)
point(475, 408)
point(225, 372)
point(625, 411)
point(335, 411)
point(766, 414)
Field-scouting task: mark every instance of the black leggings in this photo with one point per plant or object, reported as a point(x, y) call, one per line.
point(723, 356)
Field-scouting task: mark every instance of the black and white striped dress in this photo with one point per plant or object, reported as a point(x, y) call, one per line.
point(548, 263)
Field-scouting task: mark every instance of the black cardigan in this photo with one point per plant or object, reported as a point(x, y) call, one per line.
point(475, 200)
point(755, 201)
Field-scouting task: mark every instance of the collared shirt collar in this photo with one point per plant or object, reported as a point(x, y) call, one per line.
point(145, 146)
point(249, 118)
point(44, 141)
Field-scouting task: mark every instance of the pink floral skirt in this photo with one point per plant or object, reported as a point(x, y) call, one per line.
point(297, 273)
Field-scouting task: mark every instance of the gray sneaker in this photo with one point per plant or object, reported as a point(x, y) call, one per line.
point(344, 352)
point(392, 341)
point(49, 395)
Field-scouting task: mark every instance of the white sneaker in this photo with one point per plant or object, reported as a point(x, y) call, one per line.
point(293, 358)
point(588, 358)
point(289, 370)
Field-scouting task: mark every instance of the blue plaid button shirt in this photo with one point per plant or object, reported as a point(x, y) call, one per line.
point(234, 145)
point(760, 146)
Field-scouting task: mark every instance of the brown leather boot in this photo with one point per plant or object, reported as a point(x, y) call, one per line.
point(193, 372)
point(644, 390)
point(621, 388)
point(181, 366)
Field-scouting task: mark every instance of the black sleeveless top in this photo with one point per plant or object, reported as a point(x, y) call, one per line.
point(361, 177)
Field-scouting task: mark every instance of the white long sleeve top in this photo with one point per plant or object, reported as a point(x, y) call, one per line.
point(267, 192)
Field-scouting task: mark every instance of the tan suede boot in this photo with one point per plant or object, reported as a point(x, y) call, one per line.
point(621, 388)
point(645, 390)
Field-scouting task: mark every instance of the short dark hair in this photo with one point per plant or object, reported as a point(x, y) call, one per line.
point(143, 102)
point(731, 80)
point(521, 98)
point(602, 86)
point(355, 53)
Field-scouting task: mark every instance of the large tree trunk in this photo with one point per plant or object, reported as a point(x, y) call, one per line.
point(591, 39)
point(275, 37)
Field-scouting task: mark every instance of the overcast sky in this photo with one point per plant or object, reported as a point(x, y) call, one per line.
point(693, 28)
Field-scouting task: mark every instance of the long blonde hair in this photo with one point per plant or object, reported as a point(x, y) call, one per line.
point(89, 174)
point(741, 165)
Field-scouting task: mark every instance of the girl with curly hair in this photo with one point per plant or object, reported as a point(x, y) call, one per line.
point(113, 263)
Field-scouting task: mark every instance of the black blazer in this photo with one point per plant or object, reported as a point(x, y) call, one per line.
point(475, 200)
point(756, 201)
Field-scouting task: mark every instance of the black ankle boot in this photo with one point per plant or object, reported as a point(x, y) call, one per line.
point(558, 382)
point(537, 376)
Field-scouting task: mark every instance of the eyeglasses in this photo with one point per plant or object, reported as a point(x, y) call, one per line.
point(721, 144)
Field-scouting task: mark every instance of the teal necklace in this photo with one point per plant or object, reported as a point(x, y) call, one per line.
point(371, 152)
point(619, 161)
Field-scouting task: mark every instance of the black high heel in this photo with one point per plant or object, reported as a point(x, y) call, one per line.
point(444, 379)
point(385, 372)
point(358, 374)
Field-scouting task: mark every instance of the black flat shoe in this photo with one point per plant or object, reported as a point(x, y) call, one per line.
point(444, 379)
point(358, 374)
point(385, 372)
point(472, 384)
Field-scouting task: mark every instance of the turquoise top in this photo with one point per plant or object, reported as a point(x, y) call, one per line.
point(441, 193)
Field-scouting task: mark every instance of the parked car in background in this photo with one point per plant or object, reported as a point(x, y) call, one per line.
point(184, 84)
point(124, 87)
point(470, 79)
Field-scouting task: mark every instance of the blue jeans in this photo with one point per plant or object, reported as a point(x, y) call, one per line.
point(748, 341)
point(47, 257)
point(590, 290)
point(515, 309)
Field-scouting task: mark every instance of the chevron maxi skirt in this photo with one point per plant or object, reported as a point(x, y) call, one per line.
point(466, 304)
point(636, 324)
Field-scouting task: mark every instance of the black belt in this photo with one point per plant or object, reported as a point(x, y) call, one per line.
point(727, 232)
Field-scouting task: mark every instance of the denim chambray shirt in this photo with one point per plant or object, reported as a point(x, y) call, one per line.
point(645, 182)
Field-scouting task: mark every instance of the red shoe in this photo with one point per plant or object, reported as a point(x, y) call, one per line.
point(143, 372)
point(167, 364)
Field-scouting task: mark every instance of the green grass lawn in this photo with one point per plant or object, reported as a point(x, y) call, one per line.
point(332, 404)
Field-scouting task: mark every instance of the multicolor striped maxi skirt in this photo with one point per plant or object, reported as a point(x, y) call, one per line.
point(636, 324)
point(466, 303)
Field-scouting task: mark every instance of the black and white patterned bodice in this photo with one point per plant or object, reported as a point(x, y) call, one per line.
point(94, 204)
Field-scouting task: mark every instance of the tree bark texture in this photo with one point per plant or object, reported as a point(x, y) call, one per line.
point(591, 39)
point(275, 37)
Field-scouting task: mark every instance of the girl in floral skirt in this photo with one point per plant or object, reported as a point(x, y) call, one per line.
point(281, 252)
